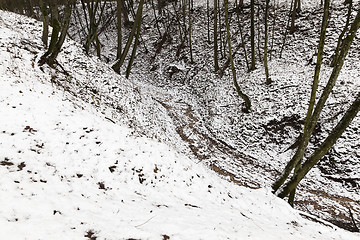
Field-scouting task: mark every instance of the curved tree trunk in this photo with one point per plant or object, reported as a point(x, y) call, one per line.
point(240, 93)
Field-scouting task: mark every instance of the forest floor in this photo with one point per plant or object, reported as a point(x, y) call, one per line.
point(72, 168)
point(252, 148)
point(191, 109)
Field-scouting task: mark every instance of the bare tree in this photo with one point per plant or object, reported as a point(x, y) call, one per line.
point(252, 33)
point(314, 113)
point(59, 31)
point(268, 79)
point(135, 32)
point(238, 90)
point(216, 58)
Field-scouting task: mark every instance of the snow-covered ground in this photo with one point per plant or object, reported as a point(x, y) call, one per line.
point(68, 172)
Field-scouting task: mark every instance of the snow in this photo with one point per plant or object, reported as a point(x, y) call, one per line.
point(247, 146)
point(68, 172)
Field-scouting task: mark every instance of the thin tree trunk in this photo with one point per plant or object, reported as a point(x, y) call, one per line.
point(120, 62)
point(268, 79)
point(190, 25)
point(216, 58)
point(222, 44)
point(156, 19)
point(242, 39)
point(286, 31)
point(258, 32)
point(273, 29)
point(252, 34)
point(63, 31)
point(138, 26)
point(45, 17)
point(119, 28)
point(336, 54)
point(307, 134)
point(116, 67)
point(293, 17)
point(240, 93)
point(208, 20)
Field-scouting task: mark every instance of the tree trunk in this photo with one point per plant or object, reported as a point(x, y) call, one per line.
point(120, 62)
point(190, 42)
point(45, 17)
point(138, 26)
point(119, 28)
point(252, 34)
point(336, 54)
point(216, 58)
point(240, 93)
point(321, 102)
point(323, 148)
point(268, 79)
point(208, 20)
point(242, 38)
point(293, 17)
point(307, 133)
point(286, 30)
point(63, 31)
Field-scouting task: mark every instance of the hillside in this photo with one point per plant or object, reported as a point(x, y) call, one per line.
point(252, 148)
point(76, 159)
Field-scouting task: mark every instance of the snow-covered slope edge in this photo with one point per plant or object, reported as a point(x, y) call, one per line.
point(121, 100)
point(67, 173)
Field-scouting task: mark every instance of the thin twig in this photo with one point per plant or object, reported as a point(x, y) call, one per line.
point(145, 222)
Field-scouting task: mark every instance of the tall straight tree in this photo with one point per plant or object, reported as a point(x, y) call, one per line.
point(294, 9)
point(252, 33)
point(45, 17)
point(216, 58)
point(190, 33)
point(340, 39)
point(239, 8)
point(119, 28)
point(307, 134)
point(138, 29)
point(268, 79)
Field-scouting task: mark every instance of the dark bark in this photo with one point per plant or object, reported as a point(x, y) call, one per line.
point(252, 33)
point(240, 93)
point(58, 33)
point(268, 79)
point(336, 53)
point(119, 28)
point(323, 148)
point(138, 26)
point(216, 58)
point(116, 67)
point(307, 132)
point(319, 106)
point(45, 18)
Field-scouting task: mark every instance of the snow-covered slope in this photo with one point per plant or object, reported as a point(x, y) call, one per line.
point(68, 172)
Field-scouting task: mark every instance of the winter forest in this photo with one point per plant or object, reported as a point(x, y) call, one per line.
point(179, 119)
